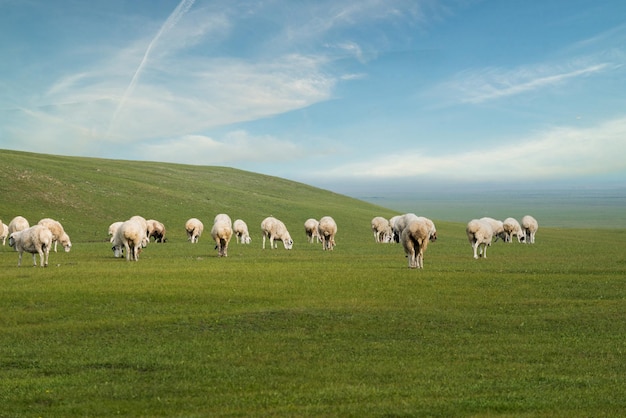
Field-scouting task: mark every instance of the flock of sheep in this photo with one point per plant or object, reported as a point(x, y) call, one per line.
point(415, 232)
point(130, 236)
point(36, 239)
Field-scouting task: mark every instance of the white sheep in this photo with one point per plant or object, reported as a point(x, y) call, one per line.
point(479, 234)
point(327, 230)
point(35, 240)
point(19, 223)
point(381, 229)
point(310, 228)
point(113, 228)
point(130, 237)
point(393, 221)
point(498, 228)
point(530, 226)
point(402, 221)
point(4, 233)
point(241, 232)
point(512, 227)
point(222, 232)
point(58, 233)
point(142, 221)
point(275, 230)
point(194, 228)
point(156, 229)
point(414, 238)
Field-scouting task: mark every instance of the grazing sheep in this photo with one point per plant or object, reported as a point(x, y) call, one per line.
point(156, 229)
point(241, 232)
point(327, 230)
point(497, 227)
point(194, 229)
point(401, 222)
point(19, 223)
point(4, 232)
point(530, 226)
point(479, 234)
point(58, 234)
point(381, 229)
point(130, 237)
point(432, 230)
point(415, 237)
point(222, 232)
point(113, 228)
point(142, 221)
point(274, 229)
point(310, 228)
point(512, 227)
point(35, 240)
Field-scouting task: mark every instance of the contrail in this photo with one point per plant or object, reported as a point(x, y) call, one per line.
point(182, 8)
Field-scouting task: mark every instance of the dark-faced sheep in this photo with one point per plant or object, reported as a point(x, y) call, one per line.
point(35, 240)
point(156, 230)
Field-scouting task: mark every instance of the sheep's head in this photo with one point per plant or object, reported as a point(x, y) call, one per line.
point(433, 237)
point(12, 240)
point(288, 244)
point(117, 251)
point(247, 240)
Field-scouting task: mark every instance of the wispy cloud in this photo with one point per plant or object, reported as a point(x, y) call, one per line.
point(482, 85)
point(554, 153)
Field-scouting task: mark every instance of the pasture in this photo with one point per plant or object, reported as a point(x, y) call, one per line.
point(533, 330)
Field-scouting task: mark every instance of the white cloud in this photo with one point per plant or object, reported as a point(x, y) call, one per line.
point(237, 147)
point(555, 153)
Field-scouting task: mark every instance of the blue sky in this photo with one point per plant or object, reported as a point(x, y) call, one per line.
point(325, 92)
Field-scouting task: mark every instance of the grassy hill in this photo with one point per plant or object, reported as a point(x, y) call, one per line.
point(88, 194)
point(532, 330)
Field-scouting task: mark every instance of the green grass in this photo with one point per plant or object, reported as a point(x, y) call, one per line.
point(533, 330)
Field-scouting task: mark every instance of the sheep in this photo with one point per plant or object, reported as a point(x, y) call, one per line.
point(402, 221)
point(241, 232)
point(130, 237)
point(327, 229)
point(19, 223)
point(58, 233)
point(393, 221)
point(156, 229)
point(497, 227)
point(113, 228)
point(35, 240)
point(4, 233)
point(512, 227)
point(479, 234)
point(310, 228)
point(530, 226)
point(222, 232)
point(381, 229)
point(415, 237)
point(274, 229)
point(194, 228)
point(142, 221)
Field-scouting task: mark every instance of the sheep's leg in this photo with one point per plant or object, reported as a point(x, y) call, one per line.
point(475, 248)
point(35, 259)
point(127, 249)
point(43, 256)
point(263, 241)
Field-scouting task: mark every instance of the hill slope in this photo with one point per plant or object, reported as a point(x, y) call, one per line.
point(87, 194)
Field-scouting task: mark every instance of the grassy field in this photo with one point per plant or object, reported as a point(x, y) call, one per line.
point(533, 330)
